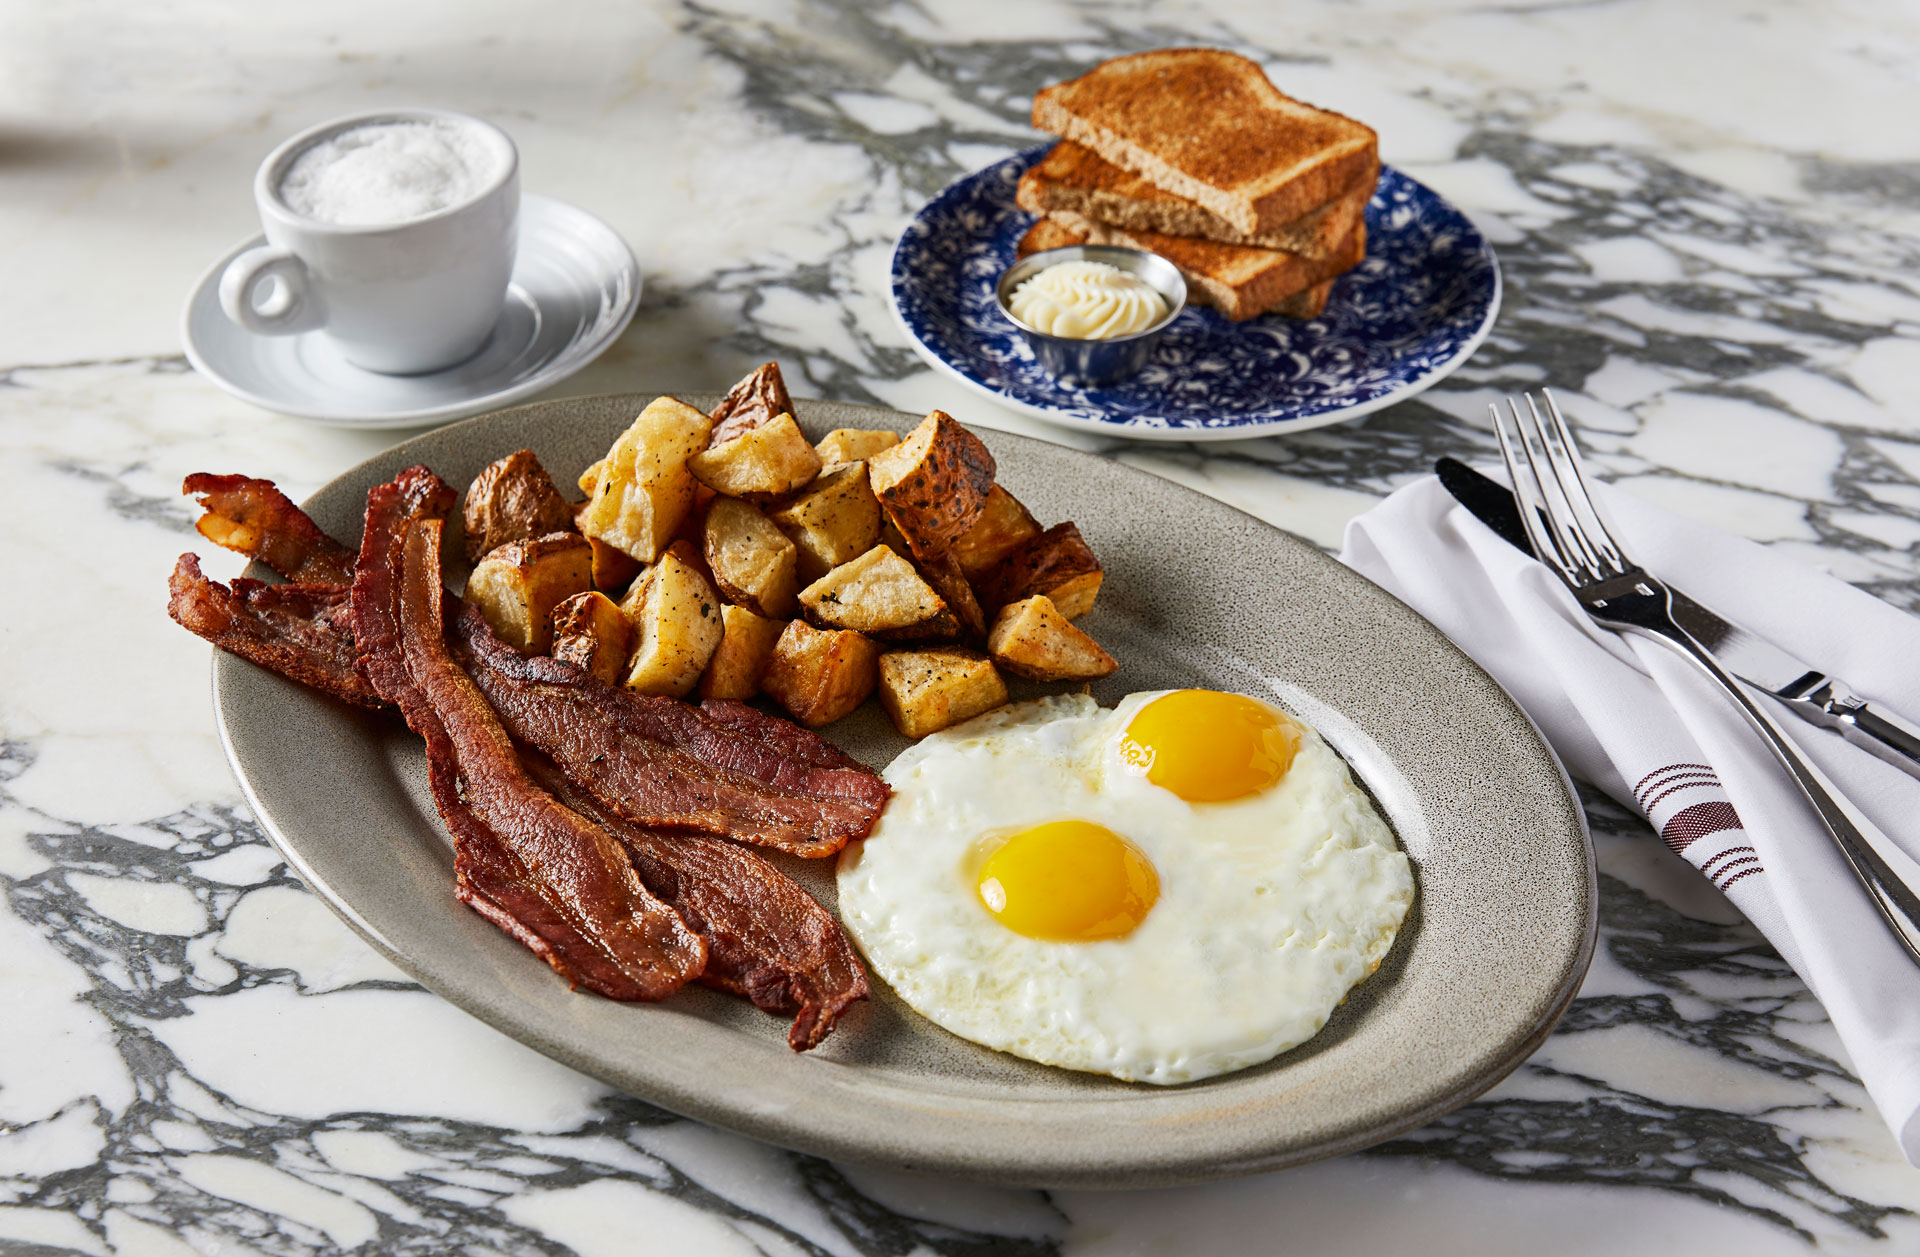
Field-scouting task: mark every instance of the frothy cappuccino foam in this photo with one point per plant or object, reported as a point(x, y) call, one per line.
point(390, 172)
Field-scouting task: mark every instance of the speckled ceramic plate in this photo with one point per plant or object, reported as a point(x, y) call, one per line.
point(1416, 307)
point(1196, 594)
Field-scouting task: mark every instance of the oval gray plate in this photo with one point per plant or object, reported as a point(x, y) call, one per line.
point(1196, 594)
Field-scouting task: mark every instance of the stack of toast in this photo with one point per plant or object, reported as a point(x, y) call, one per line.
point(1193, 154)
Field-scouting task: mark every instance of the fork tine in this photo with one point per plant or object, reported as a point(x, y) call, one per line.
point(1568, 490)
point(1550, 517)
point(1527, 491)
point(1594, 525)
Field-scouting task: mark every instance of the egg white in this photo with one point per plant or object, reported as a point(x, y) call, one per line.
point(1271, 907)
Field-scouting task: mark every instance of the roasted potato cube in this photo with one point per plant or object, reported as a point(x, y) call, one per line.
point(933, 484)
point(769, 460)
point(942, 571)
point(1003, 525)
point(819, 675)
point(512, 499)
point(734, 671)
point(676, 620)
point(879, 594)
point(752, 561)
point(924, 691)
point(591, 476)
point(591, 630)
point(1057, 563)
point(832, 520)
point(518, 585)
point(760, 397)
point(1031, 638)
point(613, 570)
point(644, 489)
point(850, 445)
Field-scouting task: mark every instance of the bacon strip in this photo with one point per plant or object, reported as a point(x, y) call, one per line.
point(767, 939)
point(300, 631)
point(659, 763)
point(255, 518)
point(537, 869)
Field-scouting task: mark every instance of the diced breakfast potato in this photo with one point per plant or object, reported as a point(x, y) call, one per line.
point(760, 397)
point(924, 691)
point(1003, 525)
point(832, 520)
point(591, 630)
point(942, 571)
point(613, 570)
point(1031, 638)
point(676, 619)
point(747, 644)
point(591, 476)
point(769, 460)
point(850, 445)
point(644, 489)
point(752, 561)
point(933, 484)
point(879, 594)
point(512, 499)
point(819, 675)
point(518, 585)
point(1057, 563)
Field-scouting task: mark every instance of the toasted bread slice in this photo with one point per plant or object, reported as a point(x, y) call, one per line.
point(1080, 181)
point(1238, 281)
point(1208, 125)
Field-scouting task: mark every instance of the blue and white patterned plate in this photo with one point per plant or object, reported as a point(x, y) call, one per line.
point(1417, 307)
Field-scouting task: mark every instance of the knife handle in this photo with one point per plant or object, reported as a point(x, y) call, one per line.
point(1886, 736)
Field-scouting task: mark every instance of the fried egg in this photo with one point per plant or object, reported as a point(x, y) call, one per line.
point(1182, 886)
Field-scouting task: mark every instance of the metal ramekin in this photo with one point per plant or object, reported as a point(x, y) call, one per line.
point(1095, 361)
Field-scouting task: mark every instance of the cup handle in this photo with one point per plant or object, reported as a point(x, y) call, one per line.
point(295, 309)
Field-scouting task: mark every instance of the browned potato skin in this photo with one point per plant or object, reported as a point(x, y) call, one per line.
point(853, 445)
point(677, 626)
point(745, 646)
point(833, 520)
point(1004, 525)
point(924, 691)
point(769, 461)
point(760, 397)
point(512, 499)
point(879, 594)
point(591, 630)
point(518, 585)
point(942, 571)
point(1031, 638)
point(1057, 563)
point(934, 484)
point(819, 675)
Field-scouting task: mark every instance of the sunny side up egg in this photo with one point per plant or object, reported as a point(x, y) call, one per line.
point(1185, 885)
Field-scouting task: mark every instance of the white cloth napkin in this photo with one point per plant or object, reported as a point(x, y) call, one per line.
point(1639, 722)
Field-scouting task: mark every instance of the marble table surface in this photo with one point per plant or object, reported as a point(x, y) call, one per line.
point(1709, 220)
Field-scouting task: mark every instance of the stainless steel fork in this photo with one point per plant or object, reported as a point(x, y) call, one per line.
point(1574, 542)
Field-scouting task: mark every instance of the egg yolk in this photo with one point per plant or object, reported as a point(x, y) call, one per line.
point(1069, 882)
point(1209, 747)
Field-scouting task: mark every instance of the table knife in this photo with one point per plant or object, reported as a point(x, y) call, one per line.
point(1817, 697)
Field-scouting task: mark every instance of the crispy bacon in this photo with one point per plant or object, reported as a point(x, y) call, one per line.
point(301, 631)
point(255, 518)
point(767, 939)
point(537, 869)
point(658, 762)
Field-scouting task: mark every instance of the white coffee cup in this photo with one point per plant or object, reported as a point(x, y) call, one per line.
point(402, 297)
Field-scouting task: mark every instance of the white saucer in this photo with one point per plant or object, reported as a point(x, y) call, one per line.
point(574, 289)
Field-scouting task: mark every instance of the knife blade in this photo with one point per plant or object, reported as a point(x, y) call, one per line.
point(1815, 696)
